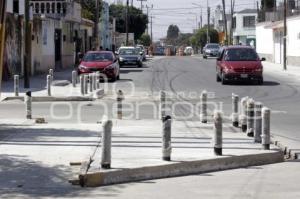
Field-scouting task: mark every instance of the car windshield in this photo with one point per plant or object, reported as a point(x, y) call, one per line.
point(240, 54)
point(213, 46)
point(99, 57)
point(128, 51)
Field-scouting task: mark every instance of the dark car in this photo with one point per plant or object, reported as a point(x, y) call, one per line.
point(239, 63)
point(130, 56)
point(211, 50)
point(103, 61)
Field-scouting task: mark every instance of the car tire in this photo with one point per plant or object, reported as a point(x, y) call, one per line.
point(223, 80)
point(204, 57)
point(218, 77)
point(118, 77)
point(260, 81)
point(140, 65)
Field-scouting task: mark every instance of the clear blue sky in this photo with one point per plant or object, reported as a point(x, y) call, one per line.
point(183, 13)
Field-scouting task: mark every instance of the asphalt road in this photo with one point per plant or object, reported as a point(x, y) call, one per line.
point(184, 78)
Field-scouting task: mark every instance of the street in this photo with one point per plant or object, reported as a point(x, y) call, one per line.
point(190, 75)
point(185, 77)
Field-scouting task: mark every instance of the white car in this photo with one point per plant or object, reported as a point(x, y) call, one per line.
point(188, 50)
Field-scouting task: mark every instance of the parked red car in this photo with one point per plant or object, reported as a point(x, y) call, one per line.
point(239, 63)
point(103, 61)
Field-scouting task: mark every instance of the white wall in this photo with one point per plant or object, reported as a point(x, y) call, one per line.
point(240, 30)
point(293, 39)
point(9, 6)
point(264, 39)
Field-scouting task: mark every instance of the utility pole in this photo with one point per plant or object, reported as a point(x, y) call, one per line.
point(225, 22)
point(142, 3)
point(151, 29)
point(96, 28)
point(148, 17)
point(2, 35)
point(285, 36)
point(231, 26)
point(208, 24)
point(27, 53)
point(126, 22)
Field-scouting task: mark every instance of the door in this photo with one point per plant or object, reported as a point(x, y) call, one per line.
point(58, 41)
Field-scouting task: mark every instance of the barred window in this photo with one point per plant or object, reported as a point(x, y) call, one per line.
point(249, 21)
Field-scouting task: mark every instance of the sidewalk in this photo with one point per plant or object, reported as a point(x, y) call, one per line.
point(137, 152)
point(38, 87)
point(292, 71)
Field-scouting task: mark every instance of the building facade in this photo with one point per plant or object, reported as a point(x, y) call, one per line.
point(270, 35)
point(244, 31)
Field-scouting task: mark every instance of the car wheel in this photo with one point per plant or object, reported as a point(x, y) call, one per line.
point(204, 57)
point(218, 77)
point(118, 77)
point(140, 65)
point(260, 81)
point(224, 81)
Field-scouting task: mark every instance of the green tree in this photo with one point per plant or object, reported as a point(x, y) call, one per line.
point(200, 38)
point(145, 40)
point(173, 32)
point(89, 9)
point(137, 21)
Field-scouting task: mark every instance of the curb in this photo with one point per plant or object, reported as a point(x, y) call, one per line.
point(290, 154)
point(95, 179)
point(96, 95)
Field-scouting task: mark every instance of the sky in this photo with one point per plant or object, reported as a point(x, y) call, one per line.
point(183, 13)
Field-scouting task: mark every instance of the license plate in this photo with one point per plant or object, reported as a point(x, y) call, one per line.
point(244, 75)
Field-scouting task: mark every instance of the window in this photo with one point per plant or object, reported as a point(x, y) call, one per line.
point(234, 23)
point(42, 8)
point(53, 7)
point(37, 8)
point(16, 6)
point(249, 21)
point(48, 7)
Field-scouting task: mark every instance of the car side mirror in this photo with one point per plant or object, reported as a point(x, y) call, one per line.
point(141, 53)
point(263, 59)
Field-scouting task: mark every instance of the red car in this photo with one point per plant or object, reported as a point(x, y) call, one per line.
point(239, 63)
point(103, 61)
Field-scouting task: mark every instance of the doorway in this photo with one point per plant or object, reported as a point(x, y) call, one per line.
point(58, 62)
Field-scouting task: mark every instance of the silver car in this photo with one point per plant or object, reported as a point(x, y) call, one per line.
point(211, 50)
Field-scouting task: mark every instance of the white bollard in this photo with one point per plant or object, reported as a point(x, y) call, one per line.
point(51, 73)
point(258, 122)
point(243, 116)
point(98, 79)
point(16, 85)
point(49, 85)
point(250, 117)
point(91, 82)
point(166, 144)
point(28, 105)
point(203, 111)
point(74, 78)
point(82, 85)
point(163, 104)
point(218, 137)
point(235, 110)
point(86, 84)
point(266, 135)
point(120, 98)
point(94, 81)
point(106, 144)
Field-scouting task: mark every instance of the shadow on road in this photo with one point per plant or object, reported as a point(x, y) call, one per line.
point(266, 83)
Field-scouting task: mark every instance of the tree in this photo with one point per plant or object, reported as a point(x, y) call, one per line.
point(200, 38)
point(137, 21)
point(173, 32)
point(145, 40)
point(268, 5)
point(89, 9)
